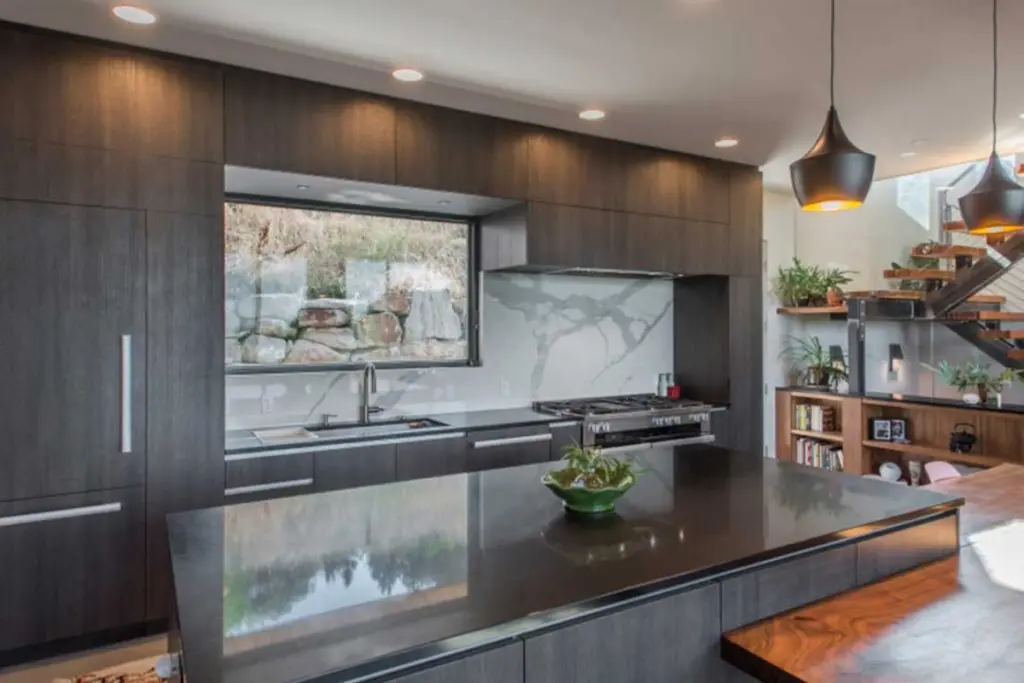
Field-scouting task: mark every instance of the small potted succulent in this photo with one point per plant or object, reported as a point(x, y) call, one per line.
point(590, 482)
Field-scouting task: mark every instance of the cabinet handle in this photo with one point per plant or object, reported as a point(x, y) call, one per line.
point(531, 438)
point(339, 446)
point(274, 486)
point(567, 423)
point(126, 393)
point(68, 513)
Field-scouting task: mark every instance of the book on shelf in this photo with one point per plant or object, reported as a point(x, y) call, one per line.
point(814, 453)
point(809, 417)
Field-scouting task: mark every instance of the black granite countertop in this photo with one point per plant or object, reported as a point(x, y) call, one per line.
point(338, 586)
point(243, 441)
point(911, 399)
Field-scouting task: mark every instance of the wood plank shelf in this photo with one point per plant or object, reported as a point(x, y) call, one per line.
point(933, 453)
point(817, 395)
point(1003, 316)
point(912, 295)
point(835, 437)
point(812, 310)
point(947, 251)
point(918, 274)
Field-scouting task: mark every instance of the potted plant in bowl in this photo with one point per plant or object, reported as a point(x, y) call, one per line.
point(590, 482)
point(973, 380)
point(819, 369)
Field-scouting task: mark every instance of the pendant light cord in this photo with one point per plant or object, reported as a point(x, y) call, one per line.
point(832, 59)
point(995, 68)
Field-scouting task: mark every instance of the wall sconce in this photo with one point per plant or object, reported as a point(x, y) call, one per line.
point(835, 354)
point(895, 356)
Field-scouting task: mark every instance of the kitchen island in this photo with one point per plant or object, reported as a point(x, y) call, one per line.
point(481, 577)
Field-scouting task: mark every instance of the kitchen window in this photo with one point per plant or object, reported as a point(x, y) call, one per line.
point(322, 287)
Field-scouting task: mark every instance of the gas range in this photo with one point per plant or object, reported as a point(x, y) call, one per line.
point(637, 421)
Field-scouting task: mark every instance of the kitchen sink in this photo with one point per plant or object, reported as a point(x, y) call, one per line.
point(379, 429)
point(269, 437)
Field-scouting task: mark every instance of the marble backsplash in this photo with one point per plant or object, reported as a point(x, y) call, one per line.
point(542, 337)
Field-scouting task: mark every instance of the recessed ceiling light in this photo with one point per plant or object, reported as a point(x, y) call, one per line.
point(134, 15)
point(407, 75)
point(907, 155)
point(302, 187)
point(726, 142)
point(591, 114)
point(1022, 116)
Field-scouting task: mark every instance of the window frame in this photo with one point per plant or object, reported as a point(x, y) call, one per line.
point(473, 275)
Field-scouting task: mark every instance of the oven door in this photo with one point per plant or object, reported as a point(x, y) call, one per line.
point(654, 437)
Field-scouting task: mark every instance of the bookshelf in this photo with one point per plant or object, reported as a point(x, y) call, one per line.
point(811, 428)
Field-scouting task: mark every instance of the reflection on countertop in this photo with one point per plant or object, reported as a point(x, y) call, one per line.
point(361, 581)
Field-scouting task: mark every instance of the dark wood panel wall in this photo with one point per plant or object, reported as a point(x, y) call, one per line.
point(112, 128)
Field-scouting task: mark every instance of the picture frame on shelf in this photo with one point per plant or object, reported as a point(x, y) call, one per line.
point(881, 429)
point(898, 430)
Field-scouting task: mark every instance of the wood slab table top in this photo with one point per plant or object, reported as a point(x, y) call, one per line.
point(957, 620)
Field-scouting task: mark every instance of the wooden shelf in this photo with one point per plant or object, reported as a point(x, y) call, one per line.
point(946, 251)
point(937, 453)
point(812, 310)
point(835, 437)
point(1003, 316)
point(918, 274)
point(817, 395)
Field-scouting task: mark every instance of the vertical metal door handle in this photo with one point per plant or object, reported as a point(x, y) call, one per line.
point(126, 393)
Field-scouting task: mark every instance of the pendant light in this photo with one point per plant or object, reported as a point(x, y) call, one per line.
point(996, 204)
point(834, 175)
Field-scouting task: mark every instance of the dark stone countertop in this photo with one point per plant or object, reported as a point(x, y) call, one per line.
point(911, 399)
point(243, 441)
point(338, 586)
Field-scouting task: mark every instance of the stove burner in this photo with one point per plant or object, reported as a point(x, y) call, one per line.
point(611, 405)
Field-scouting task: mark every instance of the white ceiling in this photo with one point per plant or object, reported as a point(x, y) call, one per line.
point(671, 73)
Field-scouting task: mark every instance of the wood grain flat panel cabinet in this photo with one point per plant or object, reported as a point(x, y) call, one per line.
point(286, 124)
point(705, 248)
point(501, 665)
point(746, 201)
point(666, 641)
point(422, 458)
point(72, 91)
point(445, 149)
point(765, 592)
point(73, 565)
point(569, 235)
point(73, 282)
point(577, 170)
point(510, 447)
point(899, 551)
point(268, 477)
point(704, 189)
point(348, 468)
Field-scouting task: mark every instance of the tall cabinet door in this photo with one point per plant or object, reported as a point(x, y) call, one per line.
point(72, 352)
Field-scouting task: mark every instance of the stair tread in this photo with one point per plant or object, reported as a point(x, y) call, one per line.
point(1001, 334)
point(948, 251)
point(918, 274)
point(955, 226)
point(910, 295)
point(1009, 316)
point(1015, 354)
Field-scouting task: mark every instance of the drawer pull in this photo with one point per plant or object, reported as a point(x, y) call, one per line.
point(253, 455)
point(273, 486)
point(68, 513)
point(568, 423)
point(530, 438)
point(126, 393)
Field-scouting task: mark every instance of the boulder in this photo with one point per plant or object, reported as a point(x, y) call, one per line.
point(397, 301)
point(431, 316)
point(383, 353)
point(379, 329)
point(307, 352)
point(433, 349)
point(341, 339)
point(232, 352)
point(322, 317)
point(233, 327)
point(347, 305)
point(263, 350)
point(273, 327)
point(279, 306)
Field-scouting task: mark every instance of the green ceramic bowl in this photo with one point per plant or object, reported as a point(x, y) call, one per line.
point(588, 501)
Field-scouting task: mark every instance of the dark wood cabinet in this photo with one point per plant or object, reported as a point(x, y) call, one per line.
point(73, 306)
point(746, 201)
point(674, 185)
point(262, 478)
point(577, 170)
point(570, 236)
point(912, 547)
point(73, 565)
point(432, 456)
point(509, 447)
point(669, 640)
point(286, 124)
point(564, 435)
point(500, 665)
point(352, 466)
point(445, 149)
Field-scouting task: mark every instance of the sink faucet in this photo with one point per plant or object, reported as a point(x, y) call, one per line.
point(368, 388)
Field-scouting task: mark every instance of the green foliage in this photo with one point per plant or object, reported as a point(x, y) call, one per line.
point(804, 285)
point(972, 375)
point(598, 471)
point(818, 367)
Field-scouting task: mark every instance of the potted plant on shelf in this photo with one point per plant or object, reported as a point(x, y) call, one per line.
point(819, 369)
point(801, 285)
point(973, 380)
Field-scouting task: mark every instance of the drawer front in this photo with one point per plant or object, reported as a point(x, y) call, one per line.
point(268, 477)
point(432, 457)
point(355, 465)
point(495, 448)
point(73, 565)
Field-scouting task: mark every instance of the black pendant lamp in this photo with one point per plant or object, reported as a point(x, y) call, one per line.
point(834, 175)
point(996, 204)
